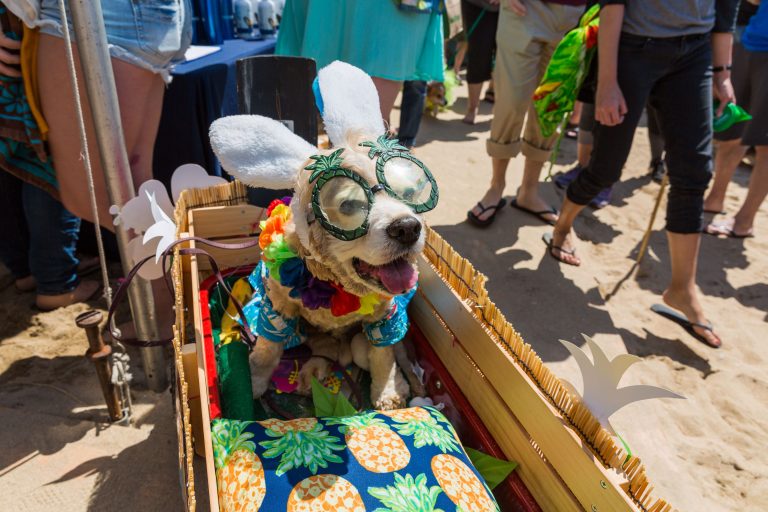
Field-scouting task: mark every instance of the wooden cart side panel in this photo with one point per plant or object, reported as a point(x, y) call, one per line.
point(194, 276)
point(595, 487)
point(539, 476)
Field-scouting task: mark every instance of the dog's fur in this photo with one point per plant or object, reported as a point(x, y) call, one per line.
point(330, 338)
point(436, 98)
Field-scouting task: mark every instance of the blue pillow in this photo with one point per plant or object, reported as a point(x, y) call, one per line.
point(409, 460)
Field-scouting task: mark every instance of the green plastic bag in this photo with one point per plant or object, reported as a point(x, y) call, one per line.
point(732, 114)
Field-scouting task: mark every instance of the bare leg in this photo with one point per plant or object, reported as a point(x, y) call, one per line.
point(388, 90)
point(576, 116)
point(140, 96)
point(459, 59)
point(583, 153)
point(681, 293)
point(727, 159)
point(743, 223)
point(498, 183)
point(473, 102)
point(563, 236)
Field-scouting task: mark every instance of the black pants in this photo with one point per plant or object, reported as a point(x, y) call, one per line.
point(481, 42)
point(673, 75)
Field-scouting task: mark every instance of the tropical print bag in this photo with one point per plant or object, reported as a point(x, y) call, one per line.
point(409, 460)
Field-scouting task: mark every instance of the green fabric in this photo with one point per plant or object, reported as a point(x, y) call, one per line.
point(235, 382)
point(555, 96)
point(731, 115)
point(373, 35)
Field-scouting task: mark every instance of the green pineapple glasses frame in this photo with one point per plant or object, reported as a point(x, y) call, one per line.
point(359, 194)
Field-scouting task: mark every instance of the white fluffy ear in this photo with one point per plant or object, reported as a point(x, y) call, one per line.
point(259, 151)
point(350, 102)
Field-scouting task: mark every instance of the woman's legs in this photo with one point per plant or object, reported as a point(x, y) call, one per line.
point(727, 159)
point(473, 102)
point(388, 90)
point(140, 96)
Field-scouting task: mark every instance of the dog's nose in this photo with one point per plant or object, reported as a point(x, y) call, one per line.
point(405, 230)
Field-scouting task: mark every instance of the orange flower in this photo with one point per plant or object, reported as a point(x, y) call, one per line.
point(272, 227)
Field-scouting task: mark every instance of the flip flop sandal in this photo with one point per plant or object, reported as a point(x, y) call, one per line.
point(490, 97)
point(715, 212)
point(484, 223)
point(572, 131)
point(539, 215)
point(716, 229)
point(682, 321)
point(547, 237)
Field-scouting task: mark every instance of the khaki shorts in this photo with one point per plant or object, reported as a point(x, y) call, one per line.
point(524, 47)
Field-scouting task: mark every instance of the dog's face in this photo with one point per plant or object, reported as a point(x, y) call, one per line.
point(436, 93)
point(383, 260)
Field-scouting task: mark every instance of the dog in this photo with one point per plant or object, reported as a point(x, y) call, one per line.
point(352, 229)
point(436, 98)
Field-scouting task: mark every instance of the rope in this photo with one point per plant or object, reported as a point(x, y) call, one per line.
point(121, 375)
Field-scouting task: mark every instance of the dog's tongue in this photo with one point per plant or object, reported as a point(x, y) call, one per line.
point(397, 277)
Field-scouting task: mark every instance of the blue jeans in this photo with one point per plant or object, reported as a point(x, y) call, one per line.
point(38, 236)
point(411, 110)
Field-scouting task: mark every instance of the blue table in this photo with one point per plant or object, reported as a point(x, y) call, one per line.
point(202, 91)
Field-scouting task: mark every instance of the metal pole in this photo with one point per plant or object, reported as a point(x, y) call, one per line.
point(91, 36)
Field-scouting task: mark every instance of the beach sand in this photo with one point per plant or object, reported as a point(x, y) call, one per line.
point(702, 454)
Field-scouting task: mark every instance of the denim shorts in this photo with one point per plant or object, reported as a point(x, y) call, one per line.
point(151, 34)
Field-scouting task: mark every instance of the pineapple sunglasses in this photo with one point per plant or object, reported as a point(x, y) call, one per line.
point(342, 199)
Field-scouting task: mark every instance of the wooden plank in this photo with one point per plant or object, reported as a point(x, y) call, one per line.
point(215, 222)
point(229, 258)
point(210, 470)
point(539, 476)
point(189, 359)
point(595, 487)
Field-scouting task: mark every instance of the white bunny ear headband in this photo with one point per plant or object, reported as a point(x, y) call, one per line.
point(262, 152)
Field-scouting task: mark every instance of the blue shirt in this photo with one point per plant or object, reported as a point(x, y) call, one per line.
point(755, 38)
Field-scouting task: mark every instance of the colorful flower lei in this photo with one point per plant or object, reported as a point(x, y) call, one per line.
point(285, 267)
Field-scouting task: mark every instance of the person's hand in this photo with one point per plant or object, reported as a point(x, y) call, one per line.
point(723, 90)
point(7, 58)
point(517, 7)
point(610, 107)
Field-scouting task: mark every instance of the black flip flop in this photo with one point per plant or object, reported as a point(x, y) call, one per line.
point(490, 97)
point(715, 212)
point(539, 215)
point(547, 237)
point(484, 223)
point(572, 131)
point(682, 321)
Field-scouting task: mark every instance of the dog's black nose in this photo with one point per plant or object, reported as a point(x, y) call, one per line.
point(405, 230)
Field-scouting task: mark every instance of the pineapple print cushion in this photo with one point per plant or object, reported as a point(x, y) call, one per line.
point(409, 460)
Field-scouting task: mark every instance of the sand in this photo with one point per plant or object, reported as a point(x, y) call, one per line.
point(703, 453)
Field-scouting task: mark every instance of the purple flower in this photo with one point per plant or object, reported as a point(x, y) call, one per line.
point(286, 200)
point(317, 294)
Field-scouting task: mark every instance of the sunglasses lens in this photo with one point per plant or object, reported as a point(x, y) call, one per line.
point(408, 180)
point(344, 203)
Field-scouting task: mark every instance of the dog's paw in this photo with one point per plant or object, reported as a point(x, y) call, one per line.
point(317, 367)
point(390, 402)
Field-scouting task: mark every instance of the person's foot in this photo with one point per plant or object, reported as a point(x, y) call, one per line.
point(490, 97)
point(469, 118)
point(563, 179)
point(657, 170)
point(688, 304)
point(603, 199)
point(730, 228)
point(84, 291)
point(25, 284)
point(563, 248)
point(492, 197)
point(713, 205)
point(534, 203)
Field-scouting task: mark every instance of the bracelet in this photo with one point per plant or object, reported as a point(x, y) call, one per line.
point(717, 69)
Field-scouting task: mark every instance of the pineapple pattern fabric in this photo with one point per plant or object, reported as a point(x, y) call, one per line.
point(399, 461)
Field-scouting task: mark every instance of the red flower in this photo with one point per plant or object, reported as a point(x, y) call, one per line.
point(591, 36)
point(343, 302)
point(272, 205)
point(552, 106)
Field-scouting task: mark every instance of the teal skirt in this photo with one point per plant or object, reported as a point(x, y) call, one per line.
point(373, 35)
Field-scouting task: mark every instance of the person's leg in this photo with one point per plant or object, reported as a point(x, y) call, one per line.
point(14, 236)
point(744, 220)
point(458, 60)
point(411, 110)
point(388, 91)
point(517, 60)
point(473, 102)
point(139, 93)
point(727, 159)
point(683, 102)
point(53, 233)
point(638, 69)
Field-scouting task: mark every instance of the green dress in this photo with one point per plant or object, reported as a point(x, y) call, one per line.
point(374, 35)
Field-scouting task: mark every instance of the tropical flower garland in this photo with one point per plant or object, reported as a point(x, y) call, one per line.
point(285, 267)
